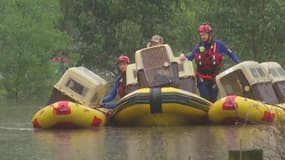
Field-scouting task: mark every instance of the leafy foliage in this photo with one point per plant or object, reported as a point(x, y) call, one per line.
point(28, 41)
point(94, 32)
point(102, 30)
point(253, 28)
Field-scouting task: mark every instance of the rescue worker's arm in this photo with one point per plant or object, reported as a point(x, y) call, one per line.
point(112, 94)
point(227, 51)
point(190, 55)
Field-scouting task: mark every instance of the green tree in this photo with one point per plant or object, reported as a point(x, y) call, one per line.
point(29, 38)
point(104, 29)
point(254, 29)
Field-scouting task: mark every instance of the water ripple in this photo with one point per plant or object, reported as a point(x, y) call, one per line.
point(15, 128)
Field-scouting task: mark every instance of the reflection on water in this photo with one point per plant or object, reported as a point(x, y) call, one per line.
point(157, 143)
point(68, 144)
point(18, 140)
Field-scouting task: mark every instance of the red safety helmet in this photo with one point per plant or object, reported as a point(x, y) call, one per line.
point(123, 58)
point(205, 27)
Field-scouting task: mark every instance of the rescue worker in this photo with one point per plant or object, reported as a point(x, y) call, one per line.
point(155, 40)
point(208, 55)
point(119, 84)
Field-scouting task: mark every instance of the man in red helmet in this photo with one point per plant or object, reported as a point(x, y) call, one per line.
point(208, 55)
point(119, 84)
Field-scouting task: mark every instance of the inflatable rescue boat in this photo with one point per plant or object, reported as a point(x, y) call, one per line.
point(258, 90)
point(73, 100)
point(236, 109)
point(162, 90)
point(161, 106)
point(66, 114)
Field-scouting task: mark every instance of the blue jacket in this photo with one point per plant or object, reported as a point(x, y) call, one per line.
point(113, 93)
point(221, 48)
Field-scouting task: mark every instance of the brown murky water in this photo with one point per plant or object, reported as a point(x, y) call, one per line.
point(19, 141)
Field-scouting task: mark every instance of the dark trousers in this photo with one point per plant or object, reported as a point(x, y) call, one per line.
point(208, 89)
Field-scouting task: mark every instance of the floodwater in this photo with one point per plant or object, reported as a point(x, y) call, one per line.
point(19, 141)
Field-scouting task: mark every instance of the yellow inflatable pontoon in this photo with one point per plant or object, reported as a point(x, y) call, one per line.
point(66, 114)
point(160, 107)
point(236, 109)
